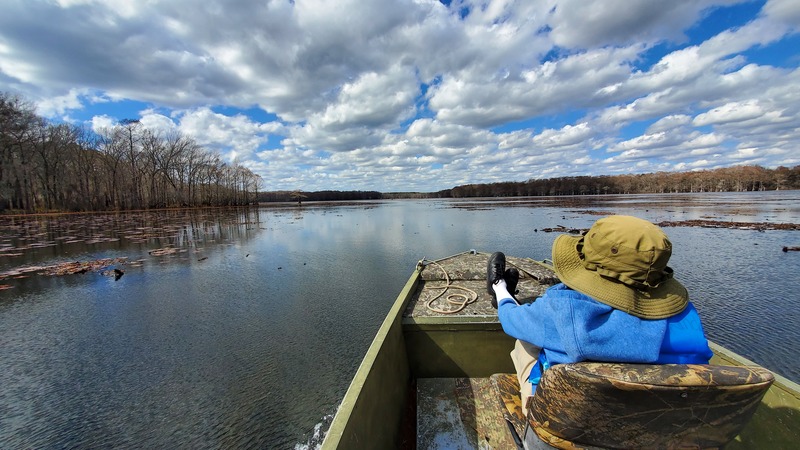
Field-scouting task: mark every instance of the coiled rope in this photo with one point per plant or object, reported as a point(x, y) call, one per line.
point(461, 300)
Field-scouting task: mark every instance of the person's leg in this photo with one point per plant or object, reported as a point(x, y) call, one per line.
point(495, 269)
point(500, 282)
point(500, 291)
point(512, 279)
point(524, 357)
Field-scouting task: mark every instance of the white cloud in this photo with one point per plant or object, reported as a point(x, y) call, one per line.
point(379, 101)
point(552, 87)
point(123, 8)
point(230, 135)
point(59, 105)
point(785, 11)
point(568, 136)
point(581, 24)
point(157, 122)
point(730, 112)
point(103, 122)
point(669, 123)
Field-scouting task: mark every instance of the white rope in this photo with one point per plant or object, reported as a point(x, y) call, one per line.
point(463, 299)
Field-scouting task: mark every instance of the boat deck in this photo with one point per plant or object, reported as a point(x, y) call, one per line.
point(465, 413)
point(466, 275)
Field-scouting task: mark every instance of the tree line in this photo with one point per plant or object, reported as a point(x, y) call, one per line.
point(63, 167)
point(729, 179)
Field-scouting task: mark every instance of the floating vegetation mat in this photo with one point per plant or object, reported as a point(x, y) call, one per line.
point(68, 268)
point(757, 226)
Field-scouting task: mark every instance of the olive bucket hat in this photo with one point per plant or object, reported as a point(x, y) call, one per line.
point(622, 262)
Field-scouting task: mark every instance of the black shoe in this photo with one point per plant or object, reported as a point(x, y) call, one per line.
point(512, 279)
point(495, 270)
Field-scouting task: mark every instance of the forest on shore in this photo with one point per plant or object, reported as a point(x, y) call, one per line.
point(46, 167)
point(729, 179)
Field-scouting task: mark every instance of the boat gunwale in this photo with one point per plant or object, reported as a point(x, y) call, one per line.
point(781, 382)
point(345, 409)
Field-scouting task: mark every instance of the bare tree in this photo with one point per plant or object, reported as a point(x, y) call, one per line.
point(18, 130)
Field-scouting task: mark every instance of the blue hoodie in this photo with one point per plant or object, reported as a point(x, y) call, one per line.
point(572, 327)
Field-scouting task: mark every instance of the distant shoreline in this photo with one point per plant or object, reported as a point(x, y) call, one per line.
point(566, 201)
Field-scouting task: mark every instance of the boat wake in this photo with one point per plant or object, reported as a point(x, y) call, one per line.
point(317, 436)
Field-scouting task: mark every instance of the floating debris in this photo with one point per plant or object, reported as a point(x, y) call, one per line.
point(81, 267)
point(116, 273)
point(753, 226)
point(163, 251)
point(66, 268)
point(563, 229)
point(594, 213)
point(791, 249)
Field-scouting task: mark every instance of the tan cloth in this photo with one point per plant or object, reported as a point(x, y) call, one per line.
point(524, 357)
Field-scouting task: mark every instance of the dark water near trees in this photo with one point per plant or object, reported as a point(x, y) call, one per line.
point(247, 334)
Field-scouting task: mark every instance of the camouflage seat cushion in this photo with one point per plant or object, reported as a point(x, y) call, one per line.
point(645, 406)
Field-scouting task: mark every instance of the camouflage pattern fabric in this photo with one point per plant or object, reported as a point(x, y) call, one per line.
point(587, 405)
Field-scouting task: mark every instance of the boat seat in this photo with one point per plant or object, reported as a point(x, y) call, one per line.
point(608, 405)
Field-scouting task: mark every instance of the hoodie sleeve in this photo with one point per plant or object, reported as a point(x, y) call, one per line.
point(531, 322)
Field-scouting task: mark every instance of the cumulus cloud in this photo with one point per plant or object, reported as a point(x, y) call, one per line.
point(669, 123)
point(233, 136)
point(784, 11)
point(377, 101)
point(730, 112)
point(566, 137)
point(580, 24)
point(60, 104)
point(419, 95)
point(103, 122)
point(575, 81)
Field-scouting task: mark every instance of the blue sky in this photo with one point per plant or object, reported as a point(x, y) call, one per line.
point(419, 95)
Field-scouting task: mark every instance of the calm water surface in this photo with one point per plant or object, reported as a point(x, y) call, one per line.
point(248, 335)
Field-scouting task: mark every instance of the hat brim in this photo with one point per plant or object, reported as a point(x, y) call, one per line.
point(665, 300)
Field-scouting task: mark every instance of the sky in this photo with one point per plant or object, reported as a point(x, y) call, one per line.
point(422, 95)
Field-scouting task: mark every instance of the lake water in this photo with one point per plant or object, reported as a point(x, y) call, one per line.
point(247, 333)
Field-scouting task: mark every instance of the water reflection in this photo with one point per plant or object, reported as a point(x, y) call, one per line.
point(145, 237)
